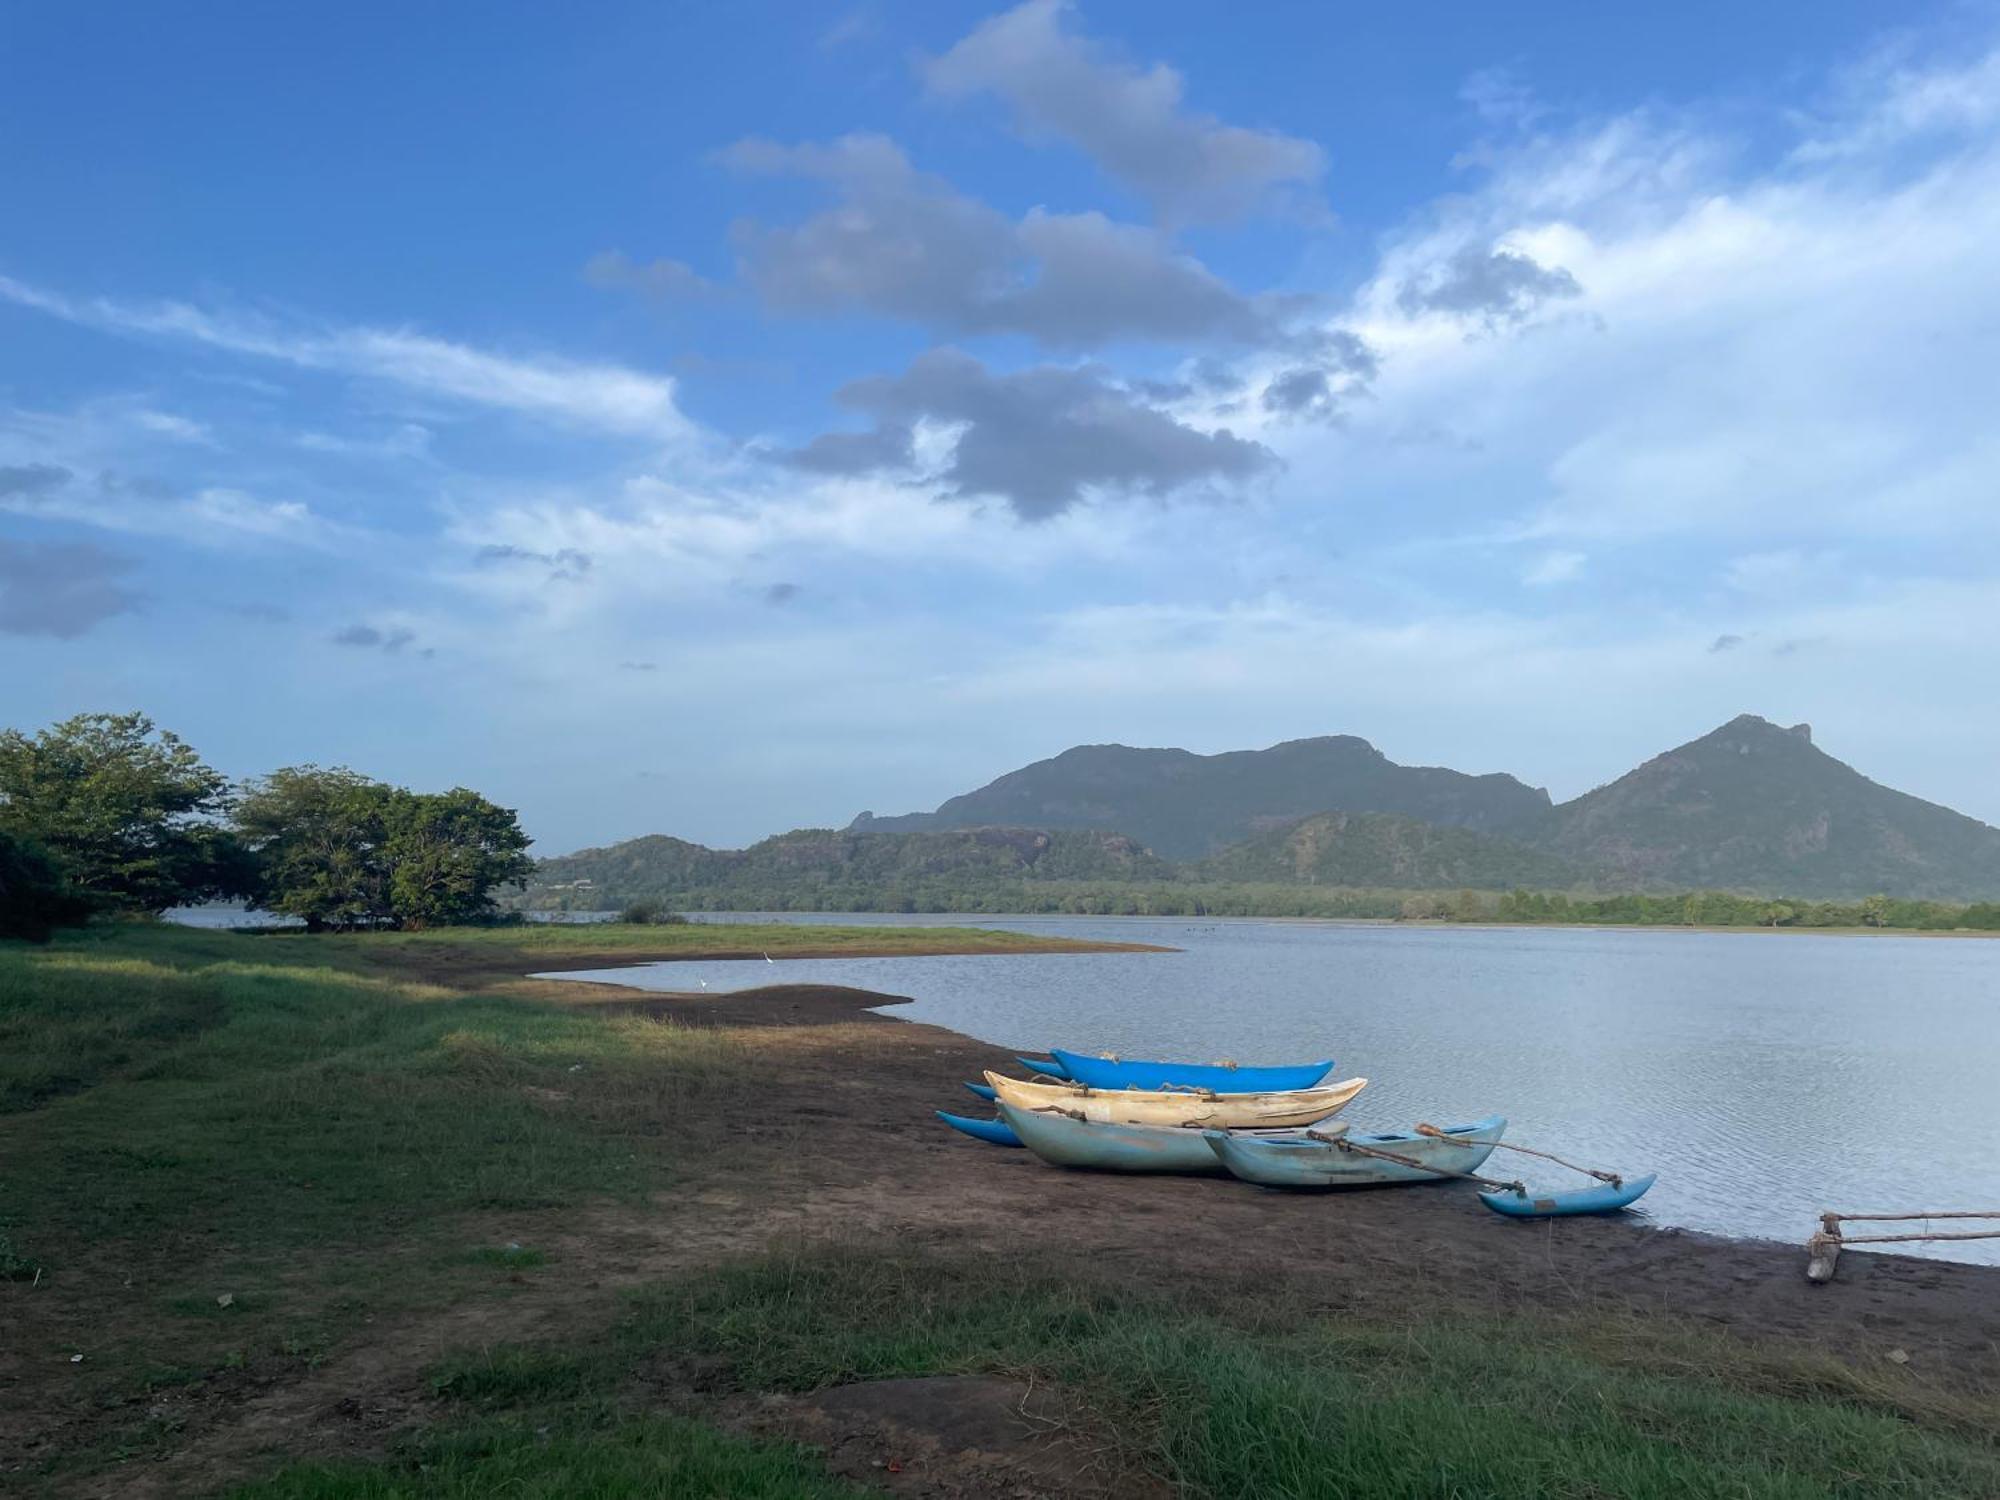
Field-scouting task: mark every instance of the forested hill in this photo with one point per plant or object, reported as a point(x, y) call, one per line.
point(1185, 806)
point(1383, 852)
point(1756, 807)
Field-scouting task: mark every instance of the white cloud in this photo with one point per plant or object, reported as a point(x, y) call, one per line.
point(182, 429)
point(604, 397)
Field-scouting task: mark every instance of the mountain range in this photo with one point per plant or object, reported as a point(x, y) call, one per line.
point(1751, 807)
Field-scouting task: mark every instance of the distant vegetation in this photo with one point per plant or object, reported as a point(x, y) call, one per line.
point(1378, 850)
point(106, 814)
point(964, 872)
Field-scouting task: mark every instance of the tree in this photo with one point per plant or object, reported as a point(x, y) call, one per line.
point(124, 810)
point(317, 837)
point(34, 897)
point(447, 853)
point(341, 850)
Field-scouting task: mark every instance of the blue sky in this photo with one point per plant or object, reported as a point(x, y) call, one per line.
point(718, 420)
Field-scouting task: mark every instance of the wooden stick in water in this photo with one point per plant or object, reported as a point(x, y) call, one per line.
point(1949, 1214)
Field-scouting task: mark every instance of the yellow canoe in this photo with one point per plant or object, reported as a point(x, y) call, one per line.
point(1179, 1106)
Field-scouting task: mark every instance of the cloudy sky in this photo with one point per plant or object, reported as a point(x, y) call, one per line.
point(719, 423)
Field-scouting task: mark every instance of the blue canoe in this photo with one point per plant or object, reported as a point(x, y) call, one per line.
point(1103, 1073)
point(1295, 1160)
point(994, 1132)
point(1051, 1069)
point(983, 1090)
point(1601, 1199)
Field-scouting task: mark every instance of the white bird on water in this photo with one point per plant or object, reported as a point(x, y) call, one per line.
point(768, 959)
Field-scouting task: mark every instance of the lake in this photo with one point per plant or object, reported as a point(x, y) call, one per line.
point(1766, 1076)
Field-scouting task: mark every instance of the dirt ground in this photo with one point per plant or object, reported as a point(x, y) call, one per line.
point(859, 1157)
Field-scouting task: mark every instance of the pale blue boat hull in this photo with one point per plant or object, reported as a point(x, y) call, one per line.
point(1103, 1073)
point(1099, 1147)
point(993, 1132)
point(1291, 1160)
point(1601, 1199)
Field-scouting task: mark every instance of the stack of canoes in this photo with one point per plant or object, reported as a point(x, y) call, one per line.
point(1272, 1126)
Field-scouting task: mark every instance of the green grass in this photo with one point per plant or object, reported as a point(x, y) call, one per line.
point(307, 1103)
point(1261, 1401)
point(633, 1458)
point(186, 1116)
point(1245, 1394)
point(554, 939)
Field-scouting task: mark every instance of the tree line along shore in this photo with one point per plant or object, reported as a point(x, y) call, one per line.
point(1696, 909)
point(107, 815)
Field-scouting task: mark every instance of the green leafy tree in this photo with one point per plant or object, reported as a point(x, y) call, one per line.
point(126, 811)
point(35, 899)
point(447, 853)
point(341, 850)
point(318, 838)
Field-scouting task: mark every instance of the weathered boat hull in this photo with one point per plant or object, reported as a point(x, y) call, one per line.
point(993, 1132)
point(1601, 1199)
point(1180, 1107)
point(1067, 1142)
point(1296, 1161)
point(1222, 1078)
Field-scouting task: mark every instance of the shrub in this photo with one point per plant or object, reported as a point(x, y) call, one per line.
point(650, 913)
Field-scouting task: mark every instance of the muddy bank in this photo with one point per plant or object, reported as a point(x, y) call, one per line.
point(880, 1162)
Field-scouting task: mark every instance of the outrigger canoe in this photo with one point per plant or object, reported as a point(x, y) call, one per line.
point(1223, 1078)
point(1179, 1106)
point(1067, 1142)
point(1605, 1198)
point(1295, 1160)
point(994, 1132)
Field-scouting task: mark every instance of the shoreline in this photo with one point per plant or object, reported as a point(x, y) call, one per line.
point(1521, 1253)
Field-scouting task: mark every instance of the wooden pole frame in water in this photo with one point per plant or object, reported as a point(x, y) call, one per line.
point(1824, 1247)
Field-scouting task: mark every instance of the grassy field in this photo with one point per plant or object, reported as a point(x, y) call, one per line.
point(227, 1162)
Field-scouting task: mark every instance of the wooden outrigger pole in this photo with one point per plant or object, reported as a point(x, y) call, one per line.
point(1823, 1249)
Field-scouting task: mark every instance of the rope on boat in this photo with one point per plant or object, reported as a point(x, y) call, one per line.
point(1422, 1166)
point(1611, 1177)
point(1824, 1247)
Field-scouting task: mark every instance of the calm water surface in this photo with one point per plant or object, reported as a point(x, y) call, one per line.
point(1765, 1076)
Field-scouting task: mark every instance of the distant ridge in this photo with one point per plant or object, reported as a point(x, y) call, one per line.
point(1185, 806)
point(1750, 807)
